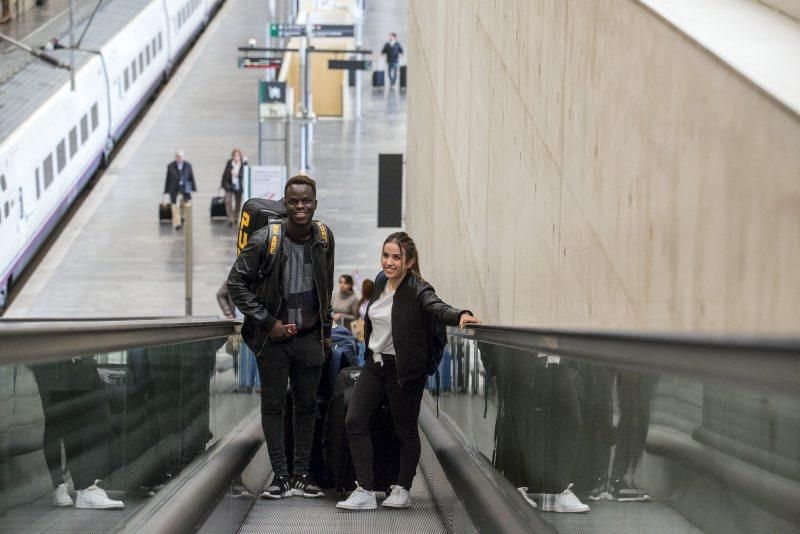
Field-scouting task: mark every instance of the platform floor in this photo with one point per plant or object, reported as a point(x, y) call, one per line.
point(115, 259)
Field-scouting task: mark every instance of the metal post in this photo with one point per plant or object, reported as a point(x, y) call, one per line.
point(304, 89)
point(187, 260)
point(71, 44)
point(260, 137)
point(287, 144)
point(359, 44)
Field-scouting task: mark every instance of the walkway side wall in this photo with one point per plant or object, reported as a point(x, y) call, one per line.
point(584, 164)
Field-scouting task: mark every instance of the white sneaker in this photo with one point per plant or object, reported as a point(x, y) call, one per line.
point(61, 496)
point(564, 502)
point(524, 491)
point(398, 498)
point(95, 498)
point(360, 499)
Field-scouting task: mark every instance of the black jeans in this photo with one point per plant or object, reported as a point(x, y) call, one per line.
point(300, 360)
point(404, 404)
point(635, 392)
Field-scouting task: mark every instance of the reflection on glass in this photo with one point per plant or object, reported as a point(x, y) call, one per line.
point(109, 431)
point(624, 449)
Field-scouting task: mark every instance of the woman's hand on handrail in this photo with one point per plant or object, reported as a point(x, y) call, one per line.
point(467, 318)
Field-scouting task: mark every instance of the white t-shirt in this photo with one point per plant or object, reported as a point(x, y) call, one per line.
point(380, 314)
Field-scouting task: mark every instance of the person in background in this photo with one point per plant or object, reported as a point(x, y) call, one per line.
point(399, 334)
point(179, 185)
point(392, 49)
point(233, 182)
point(345, 302)
point(367, 287)
point(5, 11)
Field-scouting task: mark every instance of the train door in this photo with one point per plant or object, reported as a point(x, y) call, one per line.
point(9, 223)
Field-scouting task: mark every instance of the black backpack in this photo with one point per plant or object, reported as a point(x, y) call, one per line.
point(260, 212)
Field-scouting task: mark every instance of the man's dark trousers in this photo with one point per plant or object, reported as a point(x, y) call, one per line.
point(300, 360)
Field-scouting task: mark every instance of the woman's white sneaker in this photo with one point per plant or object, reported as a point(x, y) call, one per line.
point(564, 502)
point(61, 496)
point(95, 498)
point(398, 498)
point(360, 499)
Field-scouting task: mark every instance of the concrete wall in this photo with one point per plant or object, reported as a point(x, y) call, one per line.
point(584, 164)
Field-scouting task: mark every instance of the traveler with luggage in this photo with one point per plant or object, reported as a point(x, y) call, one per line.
point(392, 49)
point(282, 282)
point(401, 338)
point(233, 184)
point(179, 185)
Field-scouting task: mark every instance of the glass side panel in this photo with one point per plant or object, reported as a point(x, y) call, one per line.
point(642, 452)
point(133, 419)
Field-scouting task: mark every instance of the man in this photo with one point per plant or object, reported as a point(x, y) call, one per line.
point(5, 11)
point(179, 185)
point(392, 49)
point(283, 288)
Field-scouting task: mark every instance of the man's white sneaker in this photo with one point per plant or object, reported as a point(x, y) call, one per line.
point(95, 498)
point(61, 496)
point(398, 498)
point(524, 491)
point(565, 502)
point(360, 499)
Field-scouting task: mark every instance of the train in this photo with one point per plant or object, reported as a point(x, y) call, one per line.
point(50, 157)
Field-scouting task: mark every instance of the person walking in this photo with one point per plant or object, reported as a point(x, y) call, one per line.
point(392, 49)
point(399, 334)
point(284, 292)
point(5, 11)
point(233, 182)
point(179, 185)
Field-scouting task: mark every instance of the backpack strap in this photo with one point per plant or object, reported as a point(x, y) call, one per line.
point(273, 245)
point(323, 233)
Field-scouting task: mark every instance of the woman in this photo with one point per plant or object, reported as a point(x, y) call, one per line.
point(233, 183)
point(397, 337)
point(367, 287)
point(345, 302)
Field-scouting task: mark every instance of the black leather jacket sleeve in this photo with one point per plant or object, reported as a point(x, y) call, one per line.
point(431, 304)
point(243, 281)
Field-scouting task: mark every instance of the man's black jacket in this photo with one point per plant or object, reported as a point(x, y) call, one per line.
point(173, 180)
point(260, 299)
point(415, 303)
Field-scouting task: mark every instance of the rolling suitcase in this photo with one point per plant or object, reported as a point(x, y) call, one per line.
point(378, 78)
point(386, 463)
point(218, 207)
point(164, 213)
point(402, 76)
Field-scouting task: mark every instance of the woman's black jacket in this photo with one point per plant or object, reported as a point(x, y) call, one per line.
point(414, 307)
point(227, 180)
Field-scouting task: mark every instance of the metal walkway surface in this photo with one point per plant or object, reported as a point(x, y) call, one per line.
point(320, 515)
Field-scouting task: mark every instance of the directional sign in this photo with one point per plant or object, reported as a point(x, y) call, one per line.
point(286, 30)
point(259, 63)
point(317, 30)
point(271, 92)
point(333, 30)
point(350, 64)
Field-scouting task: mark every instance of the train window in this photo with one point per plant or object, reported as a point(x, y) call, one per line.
point(2, 182)
point(147, 53)
point(21, 205)
point(73, 142)
point(133, 72)
point(84, 129)
point(141, 61)
point(94, 117)
point(127, 80)
point(160, 42)
point(61, 155)
point(38, 187)
point(7, 209)
point(154, 47)
point(48, 171)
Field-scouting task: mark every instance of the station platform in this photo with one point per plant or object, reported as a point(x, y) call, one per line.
point(208, 108)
